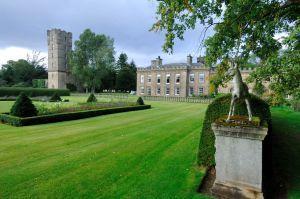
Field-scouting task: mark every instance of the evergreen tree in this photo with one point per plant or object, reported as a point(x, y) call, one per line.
point(92, 98)
point(23, 107)
point(126, 76)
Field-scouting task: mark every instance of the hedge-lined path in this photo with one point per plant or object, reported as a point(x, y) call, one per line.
point(144, 154)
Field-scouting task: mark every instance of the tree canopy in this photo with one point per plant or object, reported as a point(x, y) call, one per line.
point(22, 72)
point(92, 59)
point(241, 28)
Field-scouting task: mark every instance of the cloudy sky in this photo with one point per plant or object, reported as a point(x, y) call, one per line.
point(24, 25)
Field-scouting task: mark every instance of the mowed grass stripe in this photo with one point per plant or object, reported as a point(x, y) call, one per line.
point(102, 156)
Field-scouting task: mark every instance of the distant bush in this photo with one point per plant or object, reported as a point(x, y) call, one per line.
point(140, 101)
point(23, 107)
point(71, 87)
point(33, 92)
point(220, 107)
point(55, 98)
point(92, 98)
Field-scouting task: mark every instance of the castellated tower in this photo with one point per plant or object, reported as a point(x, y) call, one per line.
point(59, 45)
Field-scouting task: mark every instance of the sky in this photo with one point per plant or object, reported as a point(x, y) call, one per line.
point(24, 25)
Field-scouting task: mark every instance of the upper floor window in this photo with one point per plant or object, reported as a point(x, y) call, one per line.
point(177, 78)
point(158, 79)
point(192, 78)
point(149, 78)
point(168, 78)
point(142, 79)
point(201, 78)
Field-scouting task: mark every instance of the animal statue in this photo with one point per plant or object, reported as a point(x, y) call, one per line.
point(239, 91)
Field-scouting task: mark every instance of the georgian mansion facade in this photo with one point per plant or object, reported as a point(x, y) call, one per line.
point(178, 79)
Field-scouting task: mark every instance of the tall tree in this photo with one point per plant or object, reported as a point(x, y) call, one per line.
point(241, 28)
point(92, 59)
point(126, 76)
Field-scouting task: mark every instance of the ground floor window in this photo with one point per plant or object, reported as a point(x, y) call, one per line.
point(167, 91)
point(142, 90)
point(191, 91)
point(177, 91)
point(158, 91)
point(201, 90)
point(149, 91)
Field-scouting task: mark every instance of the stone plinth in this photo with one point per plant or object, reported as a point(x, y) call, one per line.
point(238, 161)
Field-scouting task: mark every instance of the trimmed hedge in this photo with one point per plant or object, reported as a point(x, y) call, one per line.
point(220, 107)
point(140, 101)
point(55, 98)
point(92, 98)
point(18, 121)
point(23, 107)
point(32, 92)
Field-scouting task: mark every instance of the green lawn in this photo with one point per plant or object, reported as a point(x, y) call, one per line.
point(286, 149)
point(143, 154)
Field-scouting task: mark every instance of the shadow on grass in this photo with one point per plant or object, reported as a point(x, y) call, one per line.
point(286, 152)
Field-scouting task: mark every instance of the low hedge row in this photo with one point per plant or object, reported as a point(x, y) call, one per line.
point(32, 92)
point(17, 121)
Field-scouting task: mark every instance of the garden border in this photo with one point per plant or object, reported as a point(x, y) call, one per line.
point(60, 117)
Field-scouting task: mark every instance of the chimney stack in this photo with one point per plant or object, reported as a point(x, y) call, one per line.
point(189, 60)
point(158, 61)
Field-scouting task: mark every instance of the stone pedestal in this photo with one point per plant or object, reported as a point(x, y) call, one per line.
point(238, 161)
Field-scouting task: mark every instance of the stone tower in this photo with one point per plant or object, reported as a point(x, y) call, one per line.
point(59, 45)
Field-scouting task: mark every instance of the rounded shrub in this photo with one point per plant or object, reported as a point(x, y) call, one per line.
point(220, 107)
point(92, 98)
point(55, 98)
point(140, 101)
point(23, 107)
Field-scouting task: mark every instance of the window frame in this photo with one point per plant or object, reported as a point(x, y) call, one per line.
point(177, 76)
point(201, 75)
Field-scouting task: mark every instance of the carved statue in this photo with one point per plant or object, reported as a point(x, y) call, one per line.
point(240, 91)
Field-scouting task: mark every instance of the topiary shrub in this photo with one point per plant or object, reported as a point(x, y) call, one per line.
point(220, 107)
point(23, 107)
point(140, 101)
point(92, 98)
point(55, 98)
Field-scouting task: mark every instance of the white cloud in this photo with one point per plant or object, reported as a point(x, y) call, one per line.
point(16, 53)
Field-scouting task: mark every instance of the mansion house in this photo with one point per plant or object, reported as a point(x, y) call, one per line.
point(178, 79)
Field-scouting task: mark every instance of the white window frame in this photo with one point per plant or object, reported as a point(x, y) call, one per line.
point(177, 89)
point(201, 88)
point(149, 89)
point(201, 77)
point(192, 75)
point(177, 75)
point(169, 90)
point(142, 90)
point(142, 79)
point(190, 94)
point(149, 78)
point(158, 88)
point(168, 76)
point(158, 78)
